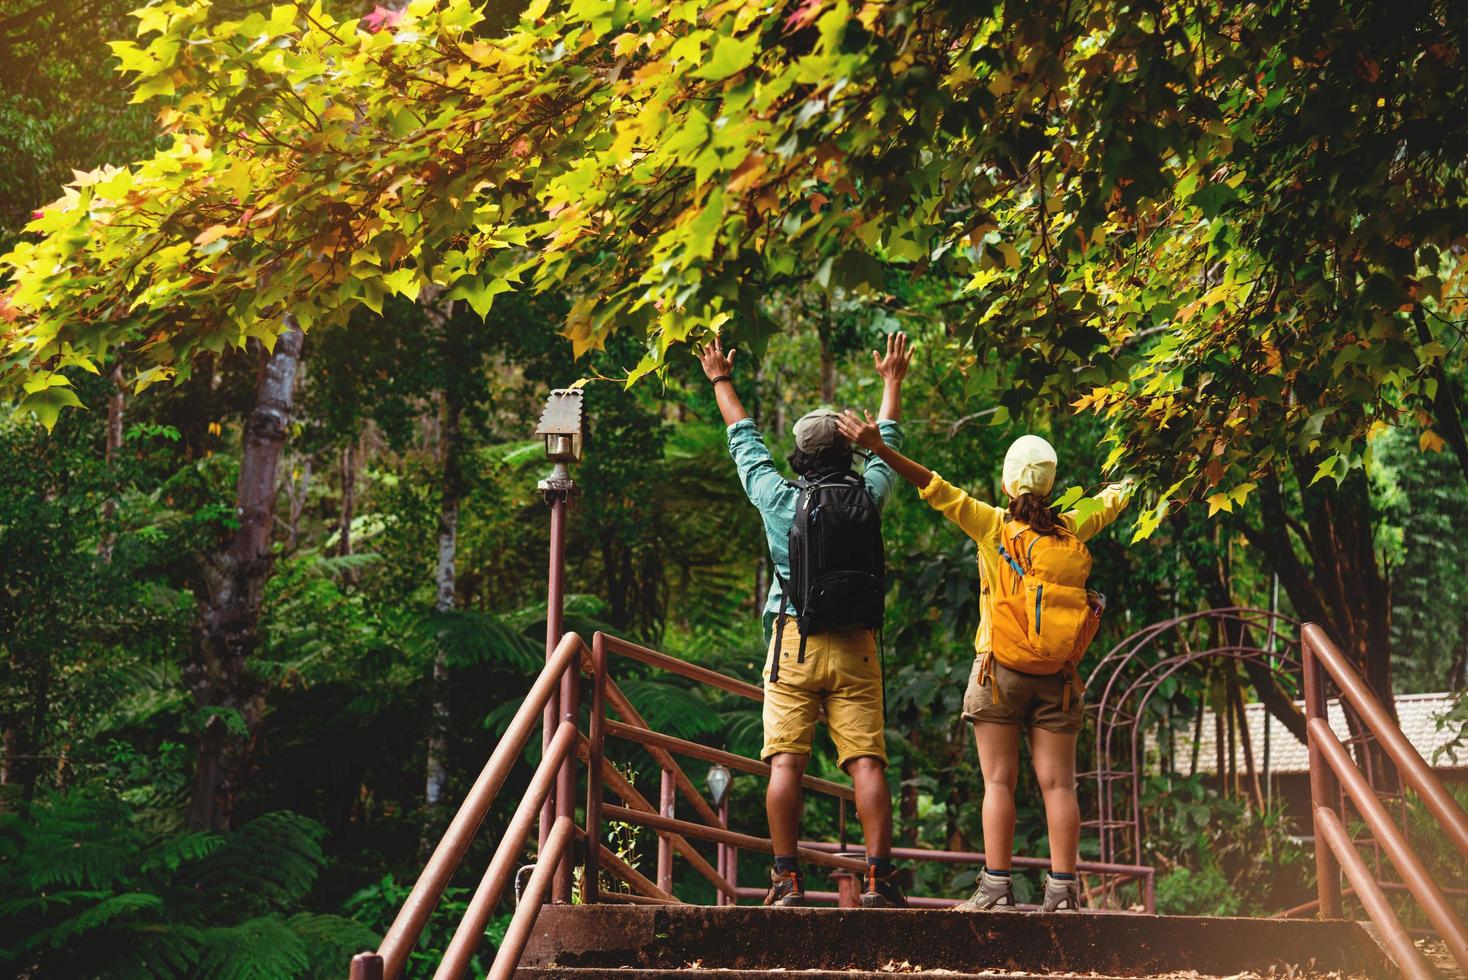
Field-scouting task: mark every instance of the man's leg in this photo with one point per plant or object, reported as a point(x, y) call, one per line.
point(1055, 767)
point(789, 723)
point(873, 804)
point(784, 800)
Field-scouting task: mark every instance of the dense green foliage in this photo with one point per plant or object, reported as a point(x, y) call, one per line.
point(1216, 249)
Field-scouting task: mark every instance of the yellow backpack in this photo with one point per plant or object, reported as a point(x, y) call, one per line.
point(1043, 616)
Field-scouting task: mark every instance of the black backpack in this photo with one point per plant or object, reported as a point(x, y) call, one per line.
point(838, 574)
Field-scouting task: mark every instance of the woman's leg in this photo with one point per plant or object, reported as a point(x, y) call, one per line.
point(1054, 755)
point(999, 761)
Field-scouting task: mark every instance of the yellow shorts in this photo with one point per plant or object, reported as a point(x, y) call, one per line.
point(842, 674)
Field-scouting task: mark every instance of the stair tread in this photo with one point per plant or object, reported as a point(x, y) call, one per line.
point(651, 943)
point(724, 973)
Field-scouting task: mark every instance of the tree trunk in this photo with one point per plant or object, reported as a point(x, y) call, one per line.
point(229, 697)
point(349, 498)
point(828, 358)
point(1343, 589)
point(1241, 720)
point(1265, 684)
point(908, 807)
point(440, 314)
point(297, 488)
point(114, 446)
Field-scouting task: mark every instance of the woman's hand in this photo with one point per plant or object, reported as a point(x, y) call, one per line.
point(863, 434)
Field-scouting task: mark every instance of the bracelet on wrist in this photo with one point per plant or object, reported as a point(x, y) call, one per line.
point(722, 377)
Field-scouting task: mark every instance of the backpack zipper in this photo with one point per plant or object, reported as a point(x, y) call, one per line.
point(1039, 591)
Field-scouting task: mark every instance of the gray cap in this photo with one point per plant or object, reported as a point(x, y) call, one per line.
point(816, 432)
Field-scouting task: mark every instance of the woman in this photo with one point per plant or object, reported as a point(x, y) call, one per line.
point(1001, 702)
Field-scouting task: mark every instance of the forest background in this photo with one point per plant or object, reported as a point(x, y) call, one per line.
point(402, 612)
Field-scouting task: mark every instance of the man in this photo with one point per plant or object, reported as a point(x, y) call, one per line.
point(836, 670)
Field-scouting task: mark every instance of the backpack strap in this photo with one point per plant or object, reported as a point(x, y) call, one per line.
point(780, 626)
point(1072, 682)
point(986, 676)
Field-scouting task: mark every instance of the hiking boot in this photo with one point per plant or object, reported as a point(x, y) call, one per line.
point(787, 889)
point(995, 892)
point(883, 891)
point(1061, 896)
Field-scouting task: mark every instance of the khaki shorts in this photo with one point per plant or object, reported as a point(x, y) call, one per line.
point(840, 673)
point(1029, 700)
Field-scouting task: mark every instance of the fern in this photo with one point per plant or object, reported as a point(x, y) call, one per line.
point(64, 848)
point(98, 897)
point(263, 948)
point(470, 637)
point(670, 708)
point(103, 913)
point(173, 852)
point(331, 940)
point(270, 863)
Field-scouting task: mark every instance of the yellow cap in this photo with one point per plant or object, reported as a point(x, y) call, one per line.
point(1029, 467)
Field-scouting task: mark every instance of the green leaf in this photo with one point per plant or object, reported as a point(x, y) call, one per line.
point(731, 55)
point(46, 405)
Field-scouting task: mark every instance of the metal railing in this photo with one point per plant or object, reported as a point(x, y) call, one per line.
point(551, 795)
point(1335, 777)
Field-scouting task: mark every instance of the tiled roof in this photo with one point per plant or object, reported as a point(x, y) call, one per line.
point(1417, 713)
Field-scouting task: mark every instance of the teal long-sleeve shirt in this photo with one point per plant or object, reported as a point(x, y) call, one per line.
point(775, 496)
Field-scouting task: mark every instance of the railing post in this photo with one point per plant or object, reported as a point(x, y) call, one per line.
point(596, 743)
point(1324, 791)
point(563, 882)
point(731, 864)
point(666, 806)
point(719, 897)
point(555, 603)
point(366, 966)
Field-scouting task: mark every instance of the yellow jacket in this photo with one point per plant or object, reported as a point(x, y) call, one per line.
point(982, 522)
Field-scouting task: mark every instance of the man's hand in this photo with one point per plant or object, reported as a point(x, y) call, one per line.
point(863, 434)
point(893, 367)
point(715, 362)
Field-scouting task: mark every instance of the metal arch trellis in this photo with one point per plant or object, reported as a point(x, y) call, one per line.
point(1127, 679)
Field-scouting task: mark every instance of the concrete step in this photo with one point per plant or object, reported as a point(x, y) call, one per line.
point(626, 973)
point(661, 942)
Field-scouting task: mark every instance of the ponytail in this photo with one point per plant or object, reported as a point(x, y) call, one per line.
point(1035, 510)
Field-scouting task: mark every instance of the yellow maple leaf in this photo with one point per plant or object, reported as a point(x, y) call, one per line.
point(1430, 442)
point(212, 233)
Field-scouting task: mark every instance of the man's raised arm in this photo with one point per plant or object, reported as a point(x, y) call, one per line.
point(717, 367)
point(892, 368)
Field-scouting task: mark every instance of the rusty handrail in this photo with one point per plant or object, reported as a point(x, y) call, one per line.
point(1409, 762)
point(694, 672)
point(623, 787)
point(721, 836)
point(404, 932)
point(507, 959)
point(497, 876)
point(624, 707)
point(977, 857)
point(646, 737)
point(1144, 874)
point(1415, 875)
point(1404, 952)
point(1333, 769)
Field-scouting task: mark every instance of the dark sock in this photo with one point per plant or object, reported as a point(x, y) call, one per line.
point(790, 863)
point(997, 873)
point(1063, 875)
point(882, 865)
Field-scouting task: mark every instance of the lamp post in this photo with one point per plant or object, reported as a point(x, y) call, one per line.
point(561, 428)
point(718, 780)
